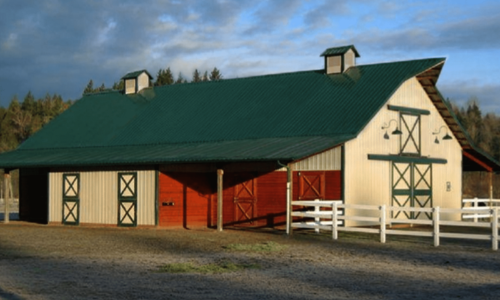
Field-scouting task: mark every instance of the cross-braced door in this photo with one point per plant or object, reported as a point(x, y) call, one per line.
point(311, 185)
point(411, 187)
point(127, 199)
point(410, 134)
point(71, 199)
point(245, 201)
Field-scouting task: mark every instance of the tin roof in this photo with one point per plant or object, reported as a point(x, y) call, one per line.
point(339, 51)
point(283, 116)
point(136, 73)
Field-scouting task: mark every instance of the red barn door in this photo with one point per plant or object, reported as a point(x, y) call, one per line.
point(245, 202)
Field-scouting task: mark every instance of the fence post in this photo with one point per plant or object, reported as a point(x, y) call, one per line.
point(435, 223)
point(335, 233)
point(316, 220)
point(494, 229)
point(382, 223)
point(476, 204)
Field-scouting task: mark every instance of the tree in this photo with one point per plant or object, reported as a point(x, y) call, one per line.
point(118, 85)
point(89, 88)
point(180, 79)
point(475, 124)
point(101, 88)
point(29, 103)
point(164, 77)
point(205, 76)
point(196, 76)
point(215, 75)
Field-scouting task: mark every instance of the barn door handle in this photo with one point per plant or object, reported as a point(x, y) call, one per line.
point(167, 203)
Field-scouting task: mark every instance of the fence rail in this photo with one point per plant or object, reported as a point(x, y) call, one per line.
point(479, 204)
point(334, 212)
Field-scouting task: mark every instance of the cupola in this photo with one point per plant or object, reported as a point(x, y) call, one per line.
point(339, 59)
point(134, 82)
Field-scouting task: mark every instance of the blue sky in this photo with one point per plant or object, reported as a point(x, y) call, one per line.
point(57, 46)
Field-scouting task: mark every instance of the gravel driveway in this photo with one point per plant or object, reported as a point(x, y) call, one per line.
point(55, 262)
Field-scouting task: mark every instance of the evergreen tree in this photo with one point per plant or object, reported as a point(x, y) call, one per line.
point(475, 124)
point(89, 88)
point(180, 79)
point(101, 88)
point(29, 104)
point(196, 76)
point(205, 76)
point(164, 77)
point(215, 75)
point(119, 86)
point(159, 78)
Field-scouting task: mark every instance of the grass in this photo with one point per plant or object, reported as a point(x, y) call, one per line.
point(261, 247)
point(215, 268)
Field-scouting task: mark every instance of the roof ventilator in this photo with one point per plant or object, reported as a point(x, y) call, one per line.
point(339, 59)
point(136, 81)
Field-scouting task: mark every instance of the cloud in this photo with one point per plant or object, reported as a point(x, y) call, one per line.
point(460, 92)
point(58, 46)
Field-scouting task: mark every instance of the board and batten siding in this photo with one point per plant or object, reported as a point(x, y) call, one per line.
point(369, 181)
point(99, 197)
point(330, 160)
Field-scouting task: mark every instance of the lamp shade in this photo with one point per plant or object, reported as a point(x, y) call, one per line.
point(397, 132)
point(447, 137)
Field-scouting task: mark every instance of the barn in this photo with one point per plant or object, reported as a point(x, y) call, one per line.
point(231, 152)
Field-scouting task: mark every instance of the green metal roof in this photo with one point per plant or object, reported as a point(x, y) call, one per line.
point(136, 73)
point(339, 51)
point(268, 117)
point(267, 149)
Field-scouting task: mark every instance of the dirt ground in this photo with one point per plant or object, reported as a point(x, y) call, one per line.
point(56, 262)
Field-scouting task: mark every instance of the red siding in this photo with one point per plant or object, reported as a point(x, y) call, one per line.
point(195, 197)
point(191, 194)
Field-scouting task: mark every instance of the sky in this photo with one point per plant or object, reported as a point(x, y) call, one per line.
point(57, 46)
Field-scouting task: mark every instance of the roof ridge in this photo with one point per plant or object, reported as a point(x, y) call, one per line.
point(402, 61)
point(240, 78)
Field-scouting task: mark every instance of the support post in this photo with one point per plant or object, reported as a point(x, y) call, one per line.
point(476, 205)
point(382, 223)
point(317, 220)
point(435, 223)
point(220, 172)
point(494, 229)
point(288, 205)
point(335, 210)
point(6, 186)
point(491, 189)
point(289, 198)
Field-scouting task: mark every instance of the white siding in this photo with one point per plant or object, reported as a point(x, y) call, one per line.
point(326, 161)
point(99, 197)
point(369, 181)
point(143, 81)
point(349, 59)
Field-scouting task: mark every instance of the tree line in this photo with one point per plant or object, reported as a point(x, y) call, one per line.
point(21, 119)
point(163, 77)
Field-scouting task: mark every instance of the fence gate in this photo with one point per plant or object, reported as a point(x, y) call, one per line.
point(411, 187)
point(127, 199)
point(71, 199)
point(245, 201)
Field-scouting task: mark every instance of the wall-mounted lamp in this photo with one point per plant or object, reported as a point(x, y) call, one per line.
point(395, 132)
point(445, 137)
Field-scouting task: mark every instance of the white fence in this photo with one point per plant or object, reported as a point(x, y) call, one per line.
point(478, 204)
point(335, 217)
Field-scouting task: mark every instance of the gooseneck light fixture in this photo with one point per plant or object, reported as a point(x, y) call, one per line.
point(395, 132)
point(445, 137)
